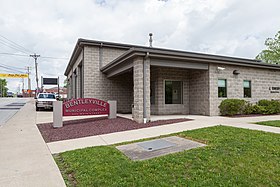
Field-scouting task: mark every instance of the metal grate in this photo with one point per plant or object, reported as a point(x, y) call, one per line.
point(154, 145)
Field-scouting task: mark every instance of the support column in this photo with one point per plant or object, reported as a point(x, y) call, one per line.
point(138, 77)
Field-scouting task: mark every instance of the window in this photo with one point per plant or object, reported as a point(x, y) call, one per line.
point(222, 88)
point(247, 88)
point(173, 92)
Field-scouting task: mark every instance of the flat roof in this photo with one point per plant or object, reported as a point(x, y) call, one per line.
point(133, 50)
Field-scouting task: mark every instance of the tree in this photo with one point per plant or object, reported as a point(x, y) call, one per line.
point(3, 88)
point(65, 83)
point(271, 55)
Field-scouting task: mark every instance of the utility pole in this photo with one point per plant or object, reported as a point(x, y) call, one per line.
point(29, 83)
point(36, 71)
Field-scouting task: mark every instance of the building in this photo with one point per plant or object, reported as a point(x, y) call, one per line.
point(147, 80)
point(62, 91)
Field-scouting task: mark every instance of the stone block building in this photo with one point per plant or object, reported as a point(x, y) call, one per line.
point(149, 81)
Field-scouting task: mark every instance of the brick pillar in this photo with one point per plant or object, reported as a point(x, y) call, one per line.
point(138, 78)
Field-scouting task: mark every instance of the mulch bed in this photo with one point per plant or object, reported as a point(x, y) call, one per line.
point(95, 126)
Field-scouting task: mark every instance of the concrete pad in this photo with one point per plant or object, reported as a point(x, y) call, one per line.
point(67, 145)
point(136, 151)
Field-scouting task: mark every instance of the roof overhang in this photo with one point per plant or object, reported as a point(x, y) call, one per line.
point(126, 59)
point(172, 58)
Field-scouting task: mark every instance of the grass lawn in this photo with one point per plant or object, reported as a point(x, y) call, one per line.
point(233, 157)
point(275, 123)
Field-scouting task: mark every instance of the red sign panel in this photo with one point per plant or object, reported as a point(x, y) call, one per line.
point(85, 106)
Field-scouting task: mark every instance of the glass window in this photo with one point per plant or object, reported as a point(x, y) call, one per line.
point(173, 92)
point(247, 88)
point(222, 88)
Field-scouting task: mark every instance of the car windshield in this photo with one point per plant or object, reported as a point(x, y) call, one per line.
point(48, 96)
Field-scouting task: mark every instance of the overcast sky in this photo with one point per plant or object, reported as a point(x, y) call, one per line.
point(51, 28)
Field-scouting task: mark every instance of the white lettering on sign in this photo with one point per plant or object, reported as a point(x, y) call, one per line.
point(85, 102)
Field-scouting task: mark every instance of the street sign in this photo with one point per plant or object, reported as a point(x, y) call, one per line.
point(10, 75)
point(50, 81)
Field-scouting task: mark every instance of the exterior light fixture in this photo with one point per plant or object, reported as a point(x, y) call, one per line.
point(236, 72)
point(220, 68)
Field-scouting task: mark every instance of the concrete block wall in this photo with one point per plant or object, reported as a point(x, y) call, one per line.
point(138, 78)
point(71, 77)
point(110, 54)
point(159, 75)
point(261, 79)
point(97, 85)
point(199, 92)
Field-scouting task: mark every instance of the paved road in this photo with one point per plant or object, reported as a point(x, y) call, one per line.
point(9, 107)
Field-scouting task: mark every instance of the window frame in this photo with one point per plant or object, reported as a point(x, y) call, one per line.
point(226, 90)
point(182, 92)
point(250, 87)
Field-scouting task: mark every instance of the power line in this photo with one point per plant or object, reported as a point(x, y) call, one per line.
point(11, 69)
point(54, 57)
point(13, 54)
point(15, 44)
point(12, 47)
point(12, 66)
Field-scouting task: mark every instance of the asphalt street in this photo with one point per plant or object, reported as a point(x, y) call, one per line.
point(9, 107)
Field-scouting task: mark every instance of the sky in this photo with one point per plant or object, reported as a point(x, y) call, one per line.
point(51, 29)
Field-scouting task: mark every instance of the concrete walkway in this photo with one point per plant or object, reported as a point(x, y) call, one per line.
point(198, 122)
point(25, 160)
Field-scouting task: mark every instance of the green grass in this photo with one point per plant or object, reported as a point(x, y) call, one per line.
point(275, 123)
point(233, 157)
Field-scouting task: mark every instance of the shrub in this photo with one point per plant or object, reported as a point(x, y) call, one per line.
point(270, 107)
point(254, 109)
point(232, 106)
point(264, 102)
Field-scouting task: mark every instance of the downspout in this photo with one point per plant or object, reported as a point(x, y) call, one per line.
point(144, 87)
point(100, 55)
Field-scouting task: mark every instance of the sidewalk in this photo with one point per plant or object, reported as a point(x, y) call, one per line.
point(198, 122)
point(25, 160)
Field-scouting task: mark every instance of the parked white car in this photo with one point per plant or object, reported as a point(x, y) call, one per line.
point(45, 101)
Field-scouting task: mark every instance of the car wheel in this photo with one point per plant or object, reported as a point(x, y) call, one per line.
point(37, 109)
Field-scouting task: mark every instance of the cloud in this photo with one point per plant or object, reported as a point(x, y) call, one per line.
point(51, 28)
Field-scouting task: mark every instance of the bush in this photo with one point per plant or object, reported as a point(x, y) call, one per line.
point(254, 109)
point(232, 107)
point(271, 107)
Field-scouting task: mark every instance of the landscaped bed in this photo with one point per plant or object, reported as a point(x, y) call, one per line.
point(232, 157)
point(275, 123)
point(95, 126)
